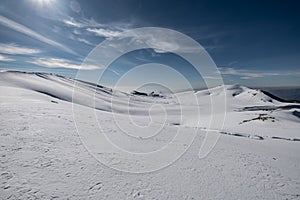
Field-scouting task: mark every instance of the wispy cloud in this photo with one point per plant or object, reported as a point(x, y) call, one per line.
point(62, 63)
point(82, 23)
point(75, 38)
point(104, 32)
point(27, 31)
point(248, 74)
point(160, 40)
point(212, 77)
point(85, 41)
point(5, 58)
point(15, 49)
point(244, 74)
point(71, 22)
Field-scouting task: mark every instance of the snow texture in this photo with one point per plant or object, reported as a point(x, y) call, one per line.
point(42, 156)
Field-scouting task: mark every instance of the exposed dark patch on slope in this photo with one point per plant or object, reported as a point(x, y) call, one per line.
point(258, 137)
point(278, 98)
point(270, 108)
point(282, 138)
point(261, 117)
point(139, 93)
point(255, 137)
point(296, 113)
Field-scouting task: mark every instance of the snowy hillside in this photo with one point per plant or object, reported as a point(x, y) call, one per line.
point(43, 157)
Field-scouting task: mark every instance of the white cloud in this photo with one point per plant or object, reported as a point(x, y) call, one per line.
point(23, 29)
point(71, 22)
point(72, 37)
point(15, 49)
point(85, 41)
point(104, 32)
point(159, 39)
point(212, 77)
point(62, 63)
point(82, 23)
point(245, 74)
point(167, 43)
point(5, 58)
point(248, 74)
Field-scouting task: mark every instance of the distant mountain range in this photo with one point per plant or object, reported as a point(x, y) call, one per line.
point(283, 94)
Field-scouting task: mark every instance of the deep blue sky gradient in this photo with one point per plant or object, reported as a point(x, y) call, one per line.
point(255, 43)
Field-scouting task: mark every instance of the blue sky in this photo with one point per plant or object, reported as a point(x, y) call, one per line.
point(254, 43)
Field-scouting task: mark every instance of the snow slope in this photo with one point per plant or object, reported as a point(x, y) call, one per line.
point(43, 157)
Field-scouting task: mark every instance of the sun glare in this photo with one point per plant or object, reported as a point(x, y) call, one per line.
point(44, 2)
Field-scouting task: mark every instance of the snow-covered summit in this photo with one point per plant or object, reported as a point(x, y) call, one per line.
point(62, 88)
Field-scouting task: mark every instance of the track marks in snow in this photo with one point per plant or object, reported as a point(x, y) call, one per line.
point(96, 187)
point(258, 137)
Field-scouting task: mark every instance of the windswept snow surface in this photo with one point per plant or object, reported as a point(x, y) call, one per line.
point(42, 155)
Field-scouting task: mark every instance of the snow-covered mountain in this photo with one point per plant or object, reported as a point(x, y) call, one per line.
point(244, 106)
point(43, 157)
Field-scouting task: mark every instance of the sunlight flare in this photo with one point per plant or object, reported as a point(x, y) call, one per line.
point(43, 3)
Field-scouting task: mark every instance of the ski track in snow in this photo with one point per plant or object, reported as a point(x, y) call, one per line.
point(42, 156)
